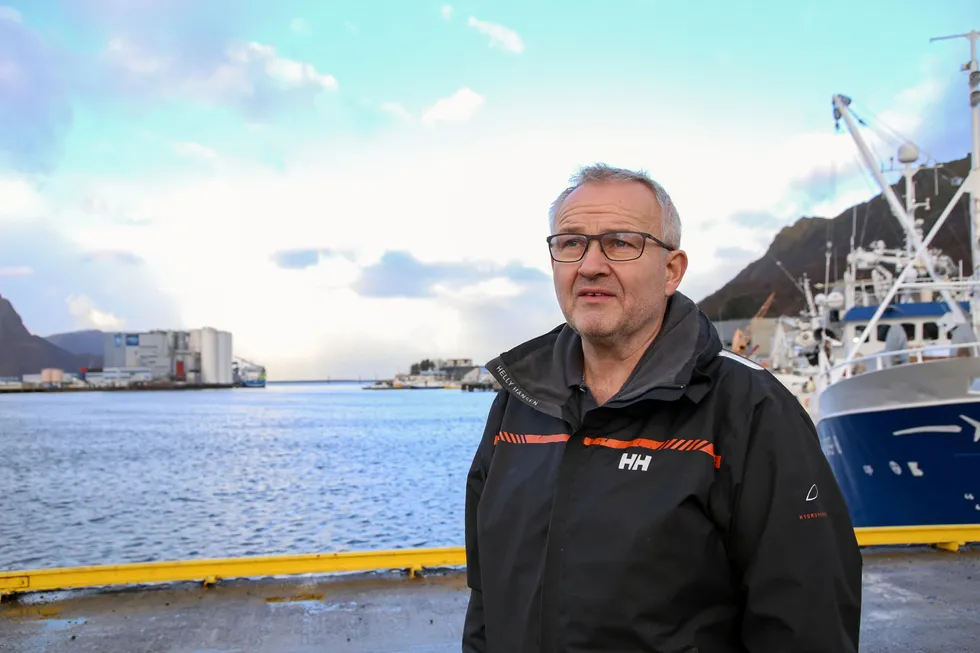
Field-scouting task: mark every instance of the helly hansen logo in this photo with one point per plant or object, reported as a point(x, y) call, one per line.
point(634, 461)
point(674, 444)
point(518, 391)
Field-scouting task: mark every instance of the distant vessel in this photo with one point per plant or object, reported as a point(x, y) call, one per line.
point(414, 383)
point(247, 374)
point(896, 397)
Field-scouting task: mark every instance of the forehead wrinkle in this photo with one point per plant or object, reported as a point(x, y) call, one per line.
point(576, 214)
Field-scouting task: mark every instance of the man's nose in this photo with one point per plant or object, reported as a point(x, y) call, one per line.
point(594, 262)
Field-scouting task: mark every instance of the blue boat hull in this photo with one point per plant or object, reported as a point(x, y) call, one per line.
point(917, 477)
point(253, 384)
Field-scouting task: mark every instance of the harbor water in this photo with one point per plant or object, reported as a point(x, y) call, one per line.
point(101, 478)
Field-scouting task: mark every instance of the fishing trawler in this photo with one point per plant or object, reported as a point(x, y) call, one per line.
point(896, 397)
point(246, 374)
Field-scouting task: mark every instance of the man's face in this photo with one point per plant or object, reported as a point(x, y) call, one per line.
point(632, 294)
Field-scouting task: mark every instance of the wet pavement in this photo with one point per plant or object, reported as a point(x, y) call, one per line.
point(916, 600)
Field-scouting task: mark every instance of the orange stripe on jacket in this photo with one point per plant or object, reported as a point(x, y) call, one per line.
point(611, 443)
point(626, 444)
point(523, 438)
point(676, 445)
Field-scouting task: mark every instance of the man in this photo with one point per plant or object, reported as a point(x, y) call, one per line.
point(638, 488)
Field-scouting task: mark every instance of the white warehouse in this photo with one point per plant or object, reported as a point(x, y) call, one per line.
point(200, 356)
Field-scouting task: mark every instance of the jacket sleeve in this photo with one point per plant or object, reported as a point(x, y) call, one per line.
point(474, 625)
point(792, 539)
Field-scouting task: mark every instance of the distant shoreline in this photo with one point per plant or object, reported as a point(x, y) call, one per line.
point(312, 381)
point(110, 388)
point(38, 389)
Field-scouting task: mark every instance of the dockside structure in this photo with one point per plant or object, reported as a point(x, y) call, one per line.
point(199, 356)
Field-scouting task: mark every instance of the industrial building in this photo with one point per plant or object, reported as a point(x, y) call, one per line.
point(198, 357)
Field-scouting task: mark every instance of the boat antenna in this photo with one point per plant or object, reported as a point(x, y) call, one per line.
point(789, 276)
point(826, 270)
point(974, 83)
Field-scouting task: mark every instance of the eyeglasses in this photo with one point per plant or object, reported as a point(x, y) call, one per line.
point(616, 245)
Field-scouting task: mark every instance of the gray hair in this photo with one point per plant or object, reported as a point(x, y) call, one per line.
point(670, 221)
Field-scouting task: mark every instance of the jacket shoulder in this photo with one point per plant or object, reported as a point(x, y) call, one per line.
point(748, 382)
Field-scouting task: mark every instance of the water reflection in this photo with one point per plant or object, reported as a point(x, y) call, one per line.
point(92, 478)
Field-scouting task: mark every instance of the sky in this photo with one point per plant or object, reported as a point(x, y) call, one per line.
point(349, 187)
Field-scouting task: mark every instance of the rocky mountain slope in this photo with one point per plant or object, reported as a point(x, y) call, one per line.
point(801, 248)
point(89, 342)
point(24, 353)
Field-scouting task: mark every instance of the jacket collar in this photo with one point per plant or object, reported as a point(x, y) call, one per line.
point(544, 372)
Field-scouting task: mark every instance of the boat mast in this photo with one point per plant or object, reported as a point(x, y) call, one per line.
point(841, 109)
point(971, 185)
point(973, 83)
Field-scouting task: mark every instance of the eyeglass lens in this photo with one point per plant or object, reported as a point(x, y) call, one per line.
point(620, 246)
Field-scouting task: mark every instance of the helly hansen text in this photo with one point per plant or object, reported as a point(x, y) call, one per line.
point(634, 461)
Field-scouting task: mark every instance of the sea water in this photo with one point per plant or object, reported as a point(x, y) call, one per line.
point(110, 477)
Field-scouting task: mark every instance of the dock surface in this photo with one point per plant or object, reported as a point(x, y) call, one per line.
point(918, 599)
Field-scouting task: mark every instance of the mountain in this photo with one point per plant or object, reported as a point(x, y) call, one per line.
point(81, 343)
point(87, 345)
point(801, 248)
point(23, 353)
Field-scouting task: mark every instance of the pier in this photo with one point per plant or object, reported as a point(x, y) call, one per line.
point(475, 386)
point(916, 598)
point(31, 389)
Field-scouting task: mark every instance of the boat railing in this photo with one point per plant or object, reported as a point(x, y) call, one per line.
point(892, 358)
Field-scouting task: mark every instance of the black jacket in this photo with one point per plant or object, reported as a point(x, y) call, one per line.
point(694, 511)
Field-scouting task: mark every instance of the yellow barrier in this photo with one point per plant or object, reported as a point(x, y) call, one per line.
point(950, 537)
point(413, 560)
point(210, 571)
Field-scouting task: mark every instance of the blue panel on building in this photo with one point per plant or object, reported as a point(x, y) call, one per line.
point(132, 340)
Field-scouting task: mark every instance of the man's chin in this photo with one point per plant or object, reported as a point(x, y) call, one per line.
point(595, 330)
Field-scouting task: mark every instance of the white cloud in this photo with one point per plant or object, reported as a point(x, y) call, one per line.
point(19, 200)
point(497, 288)
point(193, 150)
point(458, 107)
point(13, 272)
point(447, 11)
point(131, 57)
point(9, 13)
point(500, 36)
point(88, 316)
point(248, 74)
point(288, 71)
point(471, 194)
point(300, 26)
point(397, 110)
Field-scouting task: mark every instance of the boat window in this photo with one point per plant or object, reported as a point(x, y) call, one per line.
point(930, 331)
point(858, 330)
point(909, 330)
point(883, 332)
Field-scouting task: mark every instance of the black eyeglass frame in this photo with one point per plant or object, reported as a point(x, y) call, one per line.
point(598, 237)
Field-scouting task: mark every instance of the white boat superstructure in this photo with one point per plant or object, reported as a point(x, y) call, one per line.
point(912, 297)
point(897, 384)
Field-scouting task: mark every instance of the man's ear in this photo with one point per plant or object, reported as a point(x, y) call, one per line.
point(676, 267)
